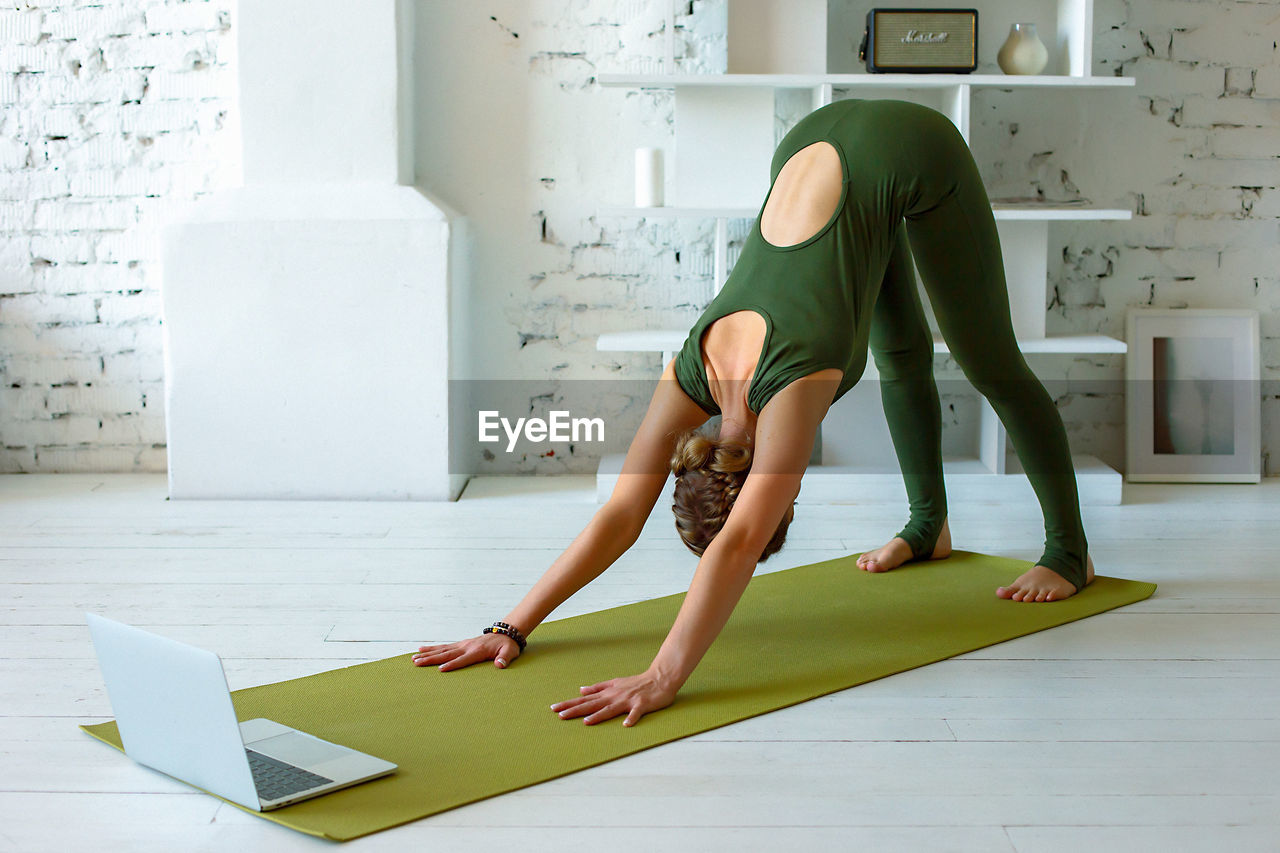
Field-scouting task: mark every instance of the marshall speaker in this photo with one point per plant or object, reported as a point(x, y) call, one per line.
point(920, 41)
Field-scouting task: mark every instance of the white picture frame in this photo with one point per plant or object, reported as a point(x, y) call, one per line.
point(1193, 405)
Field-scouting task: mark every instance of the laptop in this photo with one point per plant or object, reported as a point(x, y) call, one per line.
point(173, 708)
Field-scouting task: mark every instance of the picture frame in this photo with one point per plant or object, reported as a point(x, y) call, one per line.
point(1193, 406)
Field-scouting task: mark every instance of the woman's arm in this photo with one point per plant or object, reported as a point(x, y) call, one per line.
point(785, 433)
point(617, 525)
point(612, 530)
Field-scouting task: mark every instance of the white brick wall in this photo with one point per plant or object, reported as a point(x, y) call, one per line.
point(111, 111)
point(138, 90)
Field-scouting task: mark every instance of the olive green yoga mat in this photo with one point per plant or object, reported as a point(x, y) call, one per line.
point(472, 733)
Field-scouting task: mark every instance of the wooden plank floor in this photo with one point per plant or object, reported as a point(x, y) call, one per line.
point(1156, 727)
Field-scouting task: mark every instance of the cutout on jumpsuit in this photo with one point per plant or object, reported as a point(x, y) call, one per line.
point(806, 195)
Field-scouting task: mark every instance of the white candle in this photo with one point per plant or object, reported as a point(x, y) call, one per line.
point(648, 177)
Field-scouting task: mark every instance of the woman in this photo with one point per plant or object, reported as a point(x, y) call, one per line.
point(824, 274)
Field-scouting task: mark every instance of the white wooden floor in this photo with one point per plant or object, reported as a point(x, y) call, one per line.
point(1156, 727)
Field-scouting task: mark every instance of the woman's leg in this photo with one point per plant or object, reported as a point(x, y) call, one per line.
point(902, 346)
point(957, 251)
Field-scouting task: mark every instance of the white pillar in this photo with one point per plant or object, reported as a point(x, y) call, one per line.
point(325, 90)
point(309, 327)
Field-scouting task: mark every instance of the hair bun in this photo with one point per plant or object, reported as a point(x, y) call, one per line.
point(696, 451)
point(693, 452)
point(701, 504)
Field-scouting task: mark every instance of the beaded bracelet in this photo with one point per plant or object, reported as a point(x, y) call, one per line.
point(504, 628)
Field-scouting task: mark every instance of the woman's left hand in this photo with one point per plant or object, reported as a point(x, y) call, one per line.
point(635, 696)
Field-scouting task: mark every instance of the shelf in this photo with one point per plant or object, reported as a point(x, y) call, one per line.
point(968, 481)
point(671, 340)
point(676, 212)
point(1032, 212)
point(1047, 212)
point(657, 340)
point(867, 81)
point(1066, 345)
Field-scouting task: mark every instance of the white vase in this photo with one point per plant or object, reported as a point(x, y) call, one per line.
point(1022, 52)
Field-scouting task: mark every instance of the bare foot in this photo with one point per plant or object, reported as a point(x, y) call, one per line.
point(1044, 584)
point(898, 552)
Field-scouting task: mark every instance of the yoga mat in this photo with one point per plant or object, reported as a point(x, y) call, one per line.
point(798, 633)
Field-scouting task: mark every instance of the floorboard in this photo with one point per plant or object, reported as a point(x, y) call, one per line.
point(1155, 727)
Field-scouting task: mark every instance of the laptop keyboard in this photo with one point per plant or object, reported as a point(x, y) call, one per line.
point(275, 779)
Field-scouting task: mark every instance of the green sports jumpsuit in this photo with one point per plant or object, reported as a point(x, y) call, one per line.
point(907, 174)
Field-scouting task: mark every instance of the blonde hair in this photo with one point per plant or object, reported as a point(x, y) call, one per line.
point(709, 473)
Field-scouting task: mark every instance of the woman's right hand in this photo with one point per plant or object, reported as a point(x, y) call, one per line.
point(499, 648)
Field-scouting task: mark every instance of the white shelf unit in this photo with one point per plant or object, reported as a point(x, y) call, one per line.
point(851, 81)
point(668, 342)
point(724, 130)
point(1045, 212)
